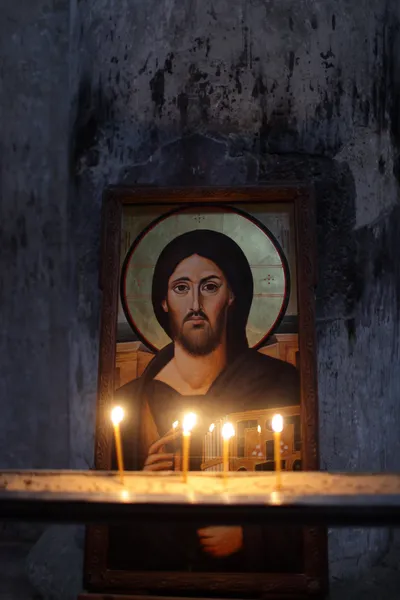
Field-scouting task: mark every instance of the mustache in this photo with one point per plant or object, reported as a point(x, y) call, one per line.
point(198, 313)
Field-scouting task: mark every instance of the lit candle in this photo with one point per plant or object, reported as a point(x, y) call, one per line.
point(227, 433)
point(189, 421)
point(117, 414)
point(277, 426)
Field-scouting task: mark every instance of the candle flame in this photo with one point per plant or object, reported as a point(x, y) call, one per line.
point(259, 428)
point(228, 431)
point(117, 414)
point(277, 423)
point(175, 424)
point(211, 428)
point(189, 421)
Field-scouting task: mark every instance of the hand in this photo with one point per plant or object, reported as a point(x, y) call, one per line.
point(156, 459)
point(221, 541)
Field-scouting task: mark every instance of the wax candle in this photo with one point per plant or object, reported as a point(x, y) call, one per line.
point(227, 433)
point(189, 421)
point(117, 414)
point(277, 426)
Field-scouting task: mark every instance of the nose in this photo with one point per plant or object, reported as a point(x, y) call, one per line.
point(196, 299)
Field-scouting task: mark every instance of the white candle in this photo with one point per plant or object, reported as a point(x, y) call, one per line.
point(189, 421)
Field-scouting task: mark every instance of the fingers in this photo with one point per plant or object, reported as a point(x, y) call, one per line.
point(209, 531)
point(159, 462)
point(159, 466)
point(208, 542)
point(220, 541)
point(170, 436)
point(203, 532)
point(161, 456)
point(217, 548)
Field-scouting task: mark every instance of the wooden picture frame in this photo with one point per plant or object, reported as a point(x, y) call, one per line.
point(98, 577)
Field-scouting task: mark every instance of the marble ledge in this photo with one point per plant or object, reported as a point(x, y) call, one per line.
point(100, 496)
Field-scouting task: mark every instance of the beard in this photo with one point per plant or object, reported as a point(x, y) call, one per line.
point(199, 339)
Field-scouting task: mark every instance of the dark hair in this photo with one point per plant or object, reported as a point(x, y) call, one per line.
point(224, 252)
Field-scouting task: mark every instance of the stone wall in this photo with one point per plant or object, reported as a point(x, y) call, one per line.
point(35, 286)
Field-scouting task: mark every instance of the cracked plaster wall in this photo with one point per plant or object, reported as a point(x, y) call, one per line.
point(182, 92)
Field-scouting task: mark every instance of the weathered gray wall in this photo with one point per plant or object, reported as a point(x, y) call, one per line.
point(34, 251)
point(210, 92)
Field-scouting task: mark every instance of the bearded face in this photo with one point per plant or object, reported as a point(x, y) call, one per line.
point(197, 304)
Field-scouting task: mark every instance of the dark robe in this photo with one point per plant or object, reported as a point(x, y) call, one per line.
point(252, 381)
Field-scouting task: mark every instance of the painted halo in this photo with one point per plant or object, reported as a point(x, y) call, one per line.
point(263, 252)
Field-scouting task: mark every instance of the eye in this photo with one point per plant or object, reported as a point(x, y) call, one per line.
point(211, 287)
point(181, 288)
